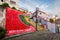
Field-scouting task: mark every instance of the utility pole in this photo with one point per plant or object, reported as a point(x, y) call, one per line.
point(37, 9)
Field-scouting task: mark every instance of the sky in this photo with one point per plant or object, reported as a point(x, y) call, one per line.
point(48, 6)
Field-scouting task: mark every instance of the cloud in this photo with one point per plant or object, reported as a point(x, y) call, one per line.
point(56, 9)
point(53, 8)
point(43, 7)
point(32, 4)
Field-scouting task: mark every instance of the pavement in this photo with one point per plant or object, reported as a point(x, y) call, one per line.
point(37, 36)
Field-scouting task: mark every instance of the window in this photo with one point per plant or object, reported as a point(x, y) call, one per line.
point(13, 2)
point(1, 0)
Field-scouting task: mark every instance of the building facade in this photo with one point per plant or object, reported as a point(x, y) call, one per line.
point(12, 3)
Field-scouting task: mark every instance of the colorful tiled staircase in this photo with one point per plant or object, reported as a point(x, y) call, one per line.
point(39, 28)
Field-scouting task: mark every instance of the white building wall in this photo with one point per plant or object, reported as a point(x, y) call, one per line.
point(3, 13)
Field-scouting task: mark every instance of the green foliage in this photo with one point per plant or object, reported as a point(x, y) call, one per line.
point(27, 16)
point(4, 5)
point(2, 32)
point(23, 19)
point(18, 10)
point(13, 8)
point(51, 20)
point(0, 5)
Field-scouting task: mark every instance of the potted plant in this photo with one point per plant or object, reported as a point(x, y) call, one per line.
point(13, 8)
point(4, 5)
point(51, 20)
point(2, 32)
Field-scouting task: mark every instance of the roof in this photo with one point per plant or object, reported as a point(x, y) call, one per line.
point(58, 21)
